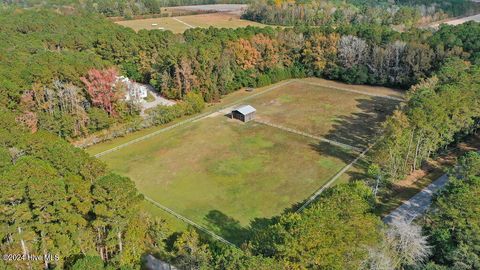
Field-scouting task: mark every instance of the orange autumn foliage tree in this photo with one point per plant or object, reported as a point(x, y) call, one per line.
point(246, 56)
point(320, 50)
point(268, 49)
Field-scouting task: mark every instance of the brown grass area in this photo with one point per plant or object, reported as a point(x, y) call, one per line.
point(218, 165)
point(226, 101)
point(219, 19)
point(218, 169)
point(342, 116)
point(377, 90)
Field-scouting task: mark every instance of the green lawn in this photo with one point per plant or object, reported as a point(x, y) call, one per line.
point(219, 169)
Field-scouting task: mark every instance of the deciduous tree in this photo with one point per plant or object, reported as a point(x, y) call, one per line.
point(102, 89)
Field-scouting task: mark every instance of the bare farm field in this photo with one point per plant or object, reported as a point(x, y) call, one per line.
point(181, 23)
point(457, 21)
point(222, 173)
point(230, 8)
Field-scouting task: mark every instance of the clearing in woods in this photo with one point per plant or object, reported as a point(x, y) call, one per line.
point(181, 23)
point(223, 173)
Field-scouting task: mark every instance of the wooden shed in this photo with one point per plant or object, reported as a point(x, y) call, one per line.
point(244, 113)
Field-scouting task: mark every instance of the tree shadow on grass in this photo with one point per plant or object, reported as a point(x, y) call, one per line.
point(227, 227)
point(231, 229)
point(360, 129)
point(329, 150)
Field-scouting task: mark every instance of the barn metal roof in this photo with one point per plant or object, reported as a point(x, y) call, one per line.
point(245, 109)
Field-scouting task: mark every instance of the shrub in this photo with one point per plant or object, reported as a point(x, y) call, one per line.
point(193, 103)
point(98, 119)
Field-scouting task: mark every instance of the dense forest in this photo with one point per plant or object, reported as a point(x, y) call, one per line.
point(453, 221)
point(439, 111)
point(403, 14)
point(57, 80)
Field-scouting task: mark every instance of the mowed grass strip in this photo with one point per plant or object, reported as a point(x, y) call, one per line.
point(346, 117)
point(221, 169)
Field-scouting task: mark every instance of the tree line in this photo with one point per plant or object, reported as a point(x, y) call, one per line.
point(439, 110)
point(56, 199)
point(404, 14)
point(453, 219)
point(56, 76)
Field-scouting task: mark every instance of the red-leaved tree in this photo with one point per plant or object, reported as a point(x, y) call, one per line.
point(29, 120)
point(101, 88)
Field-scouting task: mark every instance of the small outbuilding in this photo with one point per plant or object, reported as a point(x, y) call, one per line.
point(244, 113)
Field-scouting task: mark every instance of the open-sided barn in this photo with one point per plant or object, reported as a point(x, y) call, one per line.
point(244, 113)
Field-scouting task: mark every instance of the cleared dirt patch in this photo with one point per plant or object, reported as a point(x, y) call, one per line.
point(165, 23)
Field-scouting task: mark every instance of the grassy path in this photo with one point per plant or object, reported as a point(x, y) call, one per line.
point(309, 135)
point(180, 21)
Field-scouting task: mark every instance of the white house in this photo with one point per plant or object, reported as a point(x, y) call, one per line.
point(135, 91)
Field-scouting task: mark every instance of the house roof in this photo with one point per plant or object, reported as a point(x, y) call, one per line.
point(245, 109)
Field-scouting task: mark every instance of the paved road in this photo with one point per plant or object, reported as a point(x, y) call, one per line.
point(236, 8)
point(418, 204)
